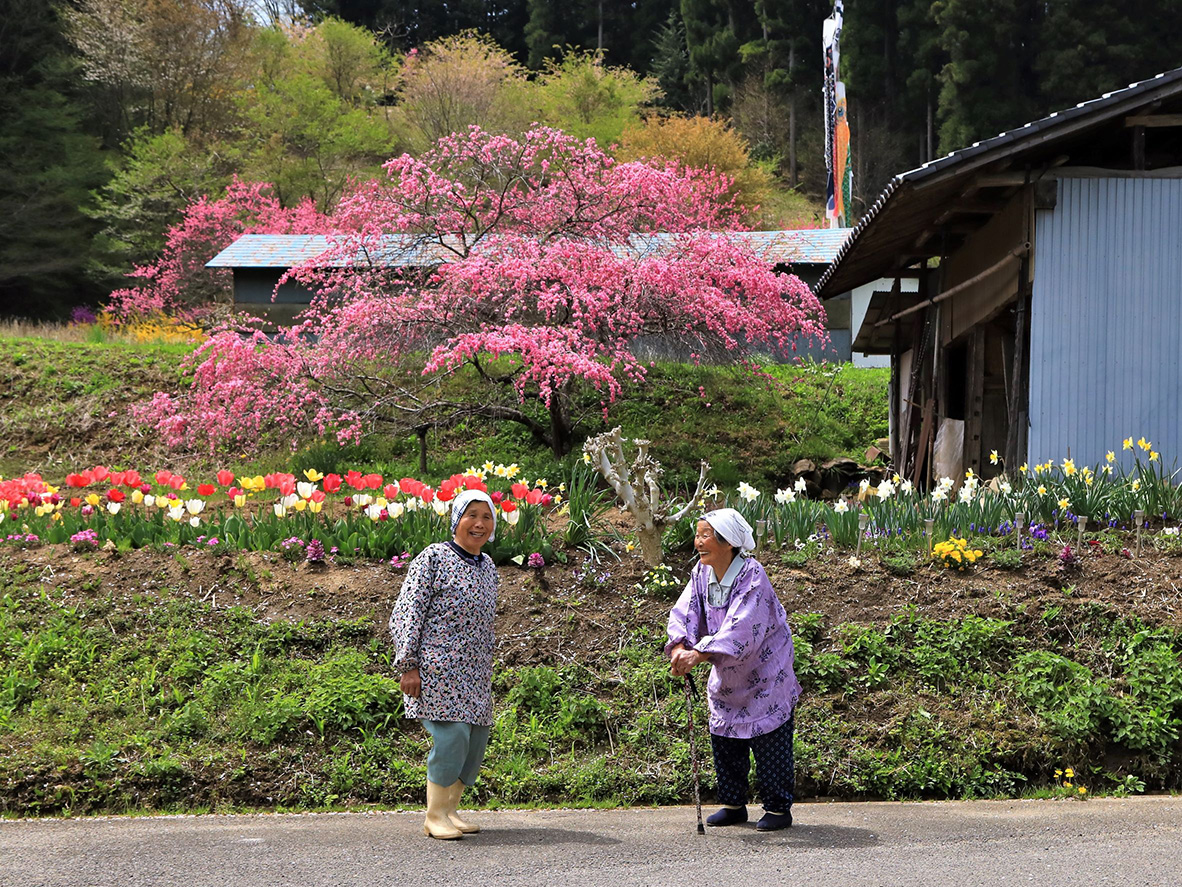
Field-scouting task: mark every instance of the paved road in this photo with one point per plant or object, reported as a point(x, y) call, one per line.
point(1129, 843)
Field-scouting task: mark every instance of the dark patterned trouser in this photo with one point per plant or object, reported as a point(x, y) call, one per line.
point(774, 768)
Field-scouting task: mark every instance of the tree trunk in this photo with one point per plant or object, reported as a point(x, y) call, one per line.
point(651, 549)
point(792, 118)
point(560, 430)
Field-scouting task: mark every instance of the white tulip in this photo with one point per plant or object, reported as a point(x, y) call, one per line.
point(195, 506)
point(113, 507)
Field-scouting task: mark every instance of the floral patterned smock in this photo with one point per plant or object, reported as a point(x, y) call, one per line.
point(752, 688)
point(442, 625)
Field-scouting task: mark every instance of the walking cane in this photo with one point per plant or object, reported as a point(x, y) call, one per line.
point(691, 693)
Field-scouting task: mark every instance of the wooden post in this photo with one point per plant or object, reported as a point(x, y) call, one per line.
point(974, 398)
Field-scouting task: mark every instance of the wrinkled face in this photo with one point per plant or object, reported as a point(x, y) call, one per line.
point(712, 551)
point(474, 528)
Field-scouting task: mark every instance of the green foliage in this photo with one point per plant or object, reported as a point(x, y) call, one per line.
point(584, 96)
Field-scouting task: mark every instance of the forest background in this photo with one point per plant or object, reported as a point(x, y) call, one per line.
point(116, 114)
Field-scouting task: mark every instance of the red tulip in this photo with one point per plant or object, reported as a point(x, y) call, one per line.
point(497, 497)
point(225, 478)
point(176, 482)
point(206, 489)
point(519, 490)
point(373, 481)
point(100, 473)
point(318, 496)
point(445, 495)
point(508, 505)
point(472, 482)
point(163, 477)
point(390, 490)
point(131, 478)
point(332, 483)
point(75, 501)
point(534, 497)
point(547, 499)
point(354, 479)
point(117, 478)
point(427, 495)
point(287, 486)
point(114, 495)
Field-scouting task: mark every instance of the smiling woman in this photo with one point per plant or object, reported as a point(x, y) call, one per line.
point(442, 625)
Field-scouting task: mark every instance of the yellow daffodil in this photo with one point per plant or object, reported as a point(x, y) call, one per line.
point(1088, 479)
point(1064, 504)
point(488, 467)
point(1069, 467)
point(501, 471)
point(1128, 443)
point(630, 546)
point(313, 475)
point(1110, 456)
point(1144, 444)
point(586, 458)
point(1042, 490)
point(1136, 485)
point(1153, 456)
point(1023, 468)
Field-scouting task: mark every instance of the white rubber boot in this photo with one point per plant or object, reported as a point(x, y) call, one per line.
point(453, 801)
point(437, 824)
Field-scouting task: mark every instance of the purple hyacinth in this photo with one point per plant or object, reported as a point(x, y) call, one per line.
point(315, 552)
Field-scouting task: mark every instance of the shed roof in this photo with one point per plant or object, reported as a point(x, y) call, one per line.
point(792, 247)
point(922, 202)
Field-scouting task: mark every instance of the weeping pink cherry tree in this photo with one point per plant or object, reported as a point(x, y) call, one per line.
point(535, 264)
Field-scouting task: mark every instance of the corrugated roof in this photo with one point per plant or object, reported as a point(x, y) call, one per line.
point(1038, 133)
point(794, 247)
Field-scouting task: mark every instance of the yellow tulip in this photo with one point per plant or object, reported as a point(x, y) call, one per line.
point(93, 499)
point(313, 475)
point(137, 497)
point(300, 504)
point(315, 507)
point(240, 500)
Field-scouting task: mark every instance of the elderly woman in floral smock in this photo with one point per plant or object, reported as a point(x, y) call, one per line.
point(729, 615)
point(442, 626)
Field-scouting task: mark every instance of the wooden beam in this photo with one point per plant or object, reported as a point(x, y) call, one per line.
point(1154, 120)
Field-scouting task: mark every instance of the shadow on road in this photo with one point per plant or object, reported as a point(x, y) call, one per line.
point(544, 835)
point(835, 837)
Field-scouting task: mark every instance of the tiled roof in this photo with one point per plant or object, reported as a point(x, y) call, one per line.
point(799, 247)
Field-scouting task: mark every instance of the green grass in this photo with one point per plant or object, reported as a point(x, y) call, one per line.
point(63, 404)
point(164, 704)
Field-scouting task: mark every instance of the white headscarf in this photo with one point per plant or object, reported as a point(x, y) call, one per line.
point(731, 527)
point(466, 498)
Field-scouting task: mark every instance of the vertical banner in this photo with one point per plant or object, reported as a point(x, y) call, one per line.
point(839, 174)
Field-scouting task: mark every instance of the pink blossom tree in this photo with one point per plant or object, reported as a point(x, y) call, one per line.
point(178, 283)
point(536, 264)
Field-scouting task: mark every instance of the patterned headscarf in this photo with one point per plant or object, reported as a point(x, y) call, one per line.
point(461, 502)
point(731, 527)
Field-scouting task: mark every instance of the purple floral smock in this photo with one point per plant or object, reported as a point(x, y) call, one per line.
point(752, 688)
point(442, 625)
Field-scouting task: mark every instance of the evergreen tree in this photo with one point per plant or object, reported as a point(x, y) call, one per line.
point(671, 64)
point(50, 163)
point(712, 35)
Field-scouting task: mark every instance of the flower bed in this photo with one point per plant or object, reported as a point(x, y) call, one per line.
point(354, 515)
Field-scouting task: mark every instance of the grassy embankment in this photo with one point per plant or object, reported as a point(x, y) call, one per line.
point(137, 691)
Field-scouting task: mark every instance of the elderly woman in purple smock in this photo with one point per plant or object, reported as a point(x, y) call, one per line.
point(729, 615)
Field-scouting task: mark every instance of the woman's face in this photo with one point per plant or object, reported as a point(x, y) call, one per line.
point(712, 551)
point(474, 528)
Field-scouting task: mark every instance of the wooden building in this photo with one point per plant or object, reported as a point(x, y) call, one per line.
point(1047, 264)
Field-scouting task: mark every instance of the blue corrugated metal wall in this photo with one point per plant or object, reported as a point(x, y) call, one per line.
point(1106, 320)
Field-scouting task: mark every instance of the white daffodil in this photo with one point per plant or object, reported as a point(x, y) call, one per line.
point(1005, 488)
point(783, 497)
point(939, 494)
point(747, 492)
point(966, 493)
point(841, 507)
point(907, 488)
point(800, 486)
point(886, 489)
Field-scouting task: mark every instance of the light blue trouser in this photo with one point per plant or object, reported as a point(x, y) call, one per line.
point(457, 753)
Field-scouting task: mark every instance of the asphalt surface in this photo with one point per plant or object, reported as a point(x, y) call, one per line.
point(1106, 841)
